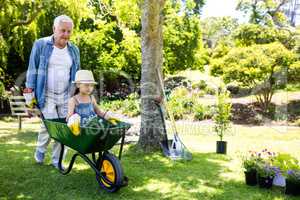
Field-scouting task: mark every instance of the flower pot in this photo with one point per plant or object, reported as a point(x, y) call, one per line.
point(251, 177)
point(292, 187)
point(221, 147)
point(265, 182)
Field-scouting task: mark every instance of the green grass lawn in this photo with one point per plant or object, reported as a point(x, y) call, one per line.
point(151, 176)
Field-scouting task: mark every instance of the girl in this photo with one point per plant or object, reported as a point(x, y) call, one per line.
point(83, 103)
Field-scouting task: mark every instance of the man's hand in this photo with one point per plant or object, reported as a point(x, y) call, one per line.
point(27, 90)
point(158, 99)
point(30, 99)
point(30, 102)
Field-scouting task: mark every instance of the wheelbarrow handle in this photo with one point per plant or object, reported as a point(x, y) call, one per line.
point(42, 115)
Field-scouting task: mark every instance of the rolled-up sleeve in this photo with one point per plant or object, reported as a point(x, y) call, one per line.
point(78, 57)
point(31, 74)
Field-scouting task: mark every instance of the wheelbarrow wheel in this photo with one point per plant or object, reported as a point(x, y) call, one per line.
point(112, 170)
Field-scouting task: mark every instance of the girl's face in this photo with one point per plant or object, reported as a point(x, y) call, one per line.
point(85, 88)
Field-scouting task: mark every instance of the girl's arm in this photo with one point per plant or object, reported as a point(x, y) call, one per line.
point(97, 109)
point(71, 108)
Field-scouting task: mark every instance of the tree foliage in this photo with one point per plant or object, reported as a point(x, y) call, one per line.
point(115, 27)
point(21, 22)
point(16, 30)
point(260, 67)
point(217, 29)
point(250, 34)
point(264, 12)
point(107, 32)
point(183, 47)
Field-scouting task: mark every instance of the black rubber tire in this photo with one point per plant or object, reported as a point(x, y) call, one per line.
point(118, 171)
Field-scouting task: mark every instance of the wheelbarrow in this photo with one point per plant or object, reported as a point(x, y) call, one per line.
point(93, 145)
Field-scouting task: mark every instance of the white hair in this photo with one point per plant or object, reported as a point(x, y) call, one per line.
point(62, 18)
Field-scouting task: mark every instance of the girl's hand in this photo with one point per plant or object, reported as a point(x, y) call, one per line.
point(111, 117)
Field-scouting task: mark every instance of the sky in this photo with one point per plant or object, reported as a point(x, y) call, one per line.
point(220, 8)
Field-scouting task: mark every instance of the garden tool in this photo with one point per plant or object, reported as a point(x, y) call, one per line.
point(174, 149)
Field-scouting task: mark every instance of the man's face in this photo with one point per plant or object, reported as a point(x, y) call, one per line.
point(62, 33)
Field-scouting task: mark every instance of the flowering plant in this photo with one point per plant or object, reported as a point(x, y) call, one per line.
point(264, 165)
point(265, 170)
point(267, 156)
point(250, 161)
point(255, 160)
point(293, 175)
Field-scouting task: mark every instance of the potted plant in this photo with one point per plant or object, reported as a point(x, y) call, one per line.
point(265, 174)
point(293, 182)
point(222, 119)
point(250, 168)
point(284, 162)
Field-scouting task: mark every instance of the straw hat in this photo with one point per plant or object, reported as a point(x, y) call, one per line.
point(84, 76)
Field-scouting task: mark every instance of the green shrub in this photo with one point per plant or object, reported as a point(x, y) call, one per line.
point(2, 91)
point(210, 90)
point(176, 106)
point(185, 105)
point(199, 112)
point(297, 122)
point(180, 102)
point(199, 85)
point(111, 105)
point(222, 113)
point(209, 112)
point(202, 112)
point(179, 92)
point(292, 87)
point(128, 107)
point(177, 109)
point(233, 88)
point(198, 94)
point(176, 81)
point(286, 162)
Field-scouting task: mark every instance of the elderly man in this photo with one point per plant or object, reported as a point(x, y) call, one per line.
point(52, 67)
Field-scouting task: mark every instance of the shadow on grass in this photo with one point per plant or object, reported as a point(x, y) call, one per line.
point(197, 179)
point(151, 176)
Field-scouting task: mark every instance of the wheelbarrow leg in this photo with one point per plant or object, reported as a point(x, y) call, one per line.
point(61, 154)
point(94, 157)
point(61, 170)
point(122, 143)
point(84, 157)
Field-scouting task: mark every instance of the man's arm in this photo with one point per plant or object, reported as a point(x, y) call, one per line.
point(78, 57)
point(33, 66)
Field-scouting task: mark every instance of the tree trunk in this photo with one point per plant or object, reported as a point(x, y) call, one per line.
point(151, 125)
